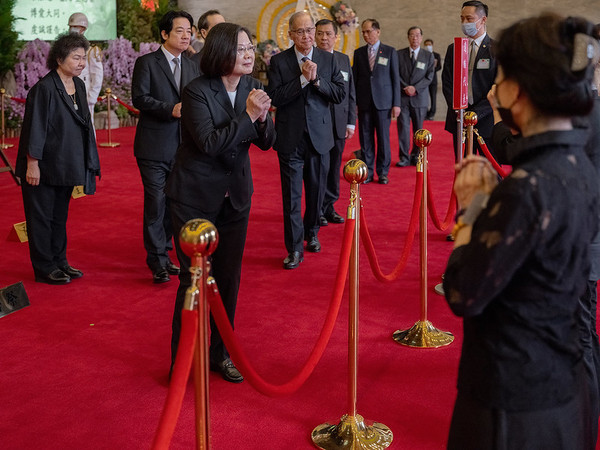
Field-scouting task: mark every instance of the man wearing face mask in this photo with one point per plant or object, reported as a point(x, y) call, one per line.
point(482, 72)
point(437, 66)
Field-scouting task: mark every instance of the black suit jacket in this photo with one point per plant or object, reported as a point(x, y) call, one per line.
point(62, 139)
point(438, 66)
point(418, 75)
point(213, 157)
point(299, 109)
point(154, 93)
point(344, 113)
point(382, 86)
point(482, 80)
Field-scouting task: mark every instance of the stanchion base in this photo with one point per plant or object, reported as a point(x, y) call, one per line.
point(3, 146)
point(423, 335)
point(109, 144)
point(439, 289)
point(352, 433)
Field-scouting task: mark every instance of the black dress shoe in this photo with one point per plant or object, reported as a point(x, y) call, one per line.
point(368, 180)
point(414, 159)
point(161, 276)
point(293, 260)
point(334, 217)
point(403, 163)
point(71, 271)
point(313, 245)
point(172, 269)
point(227, 370)
point(57, 276)
point(323, 221)
point(383, 179)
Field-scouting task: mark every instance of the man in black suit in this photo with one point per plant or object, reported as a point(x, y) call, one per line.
point(482, 73)
point(377, 82)
point(206, 21)
point(303, 81)
point(434, 83)
point(416, 73)
point(156, 86)
point(344, 120)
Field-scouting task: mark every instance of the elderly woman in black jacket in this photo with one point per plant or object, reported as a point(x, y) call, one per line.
point(57, 151)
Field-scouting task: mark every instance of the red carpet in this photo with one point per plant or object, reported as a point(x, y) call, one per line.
point(85, 366)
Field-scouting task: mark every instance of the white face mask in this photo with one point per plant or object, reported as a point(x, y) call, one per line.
point(429, 47)
point(470, 28)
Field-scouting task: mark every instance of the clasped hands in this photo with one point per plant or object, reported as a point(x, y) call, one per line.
point(309, 70)
point(473, 174)
point(258, 104)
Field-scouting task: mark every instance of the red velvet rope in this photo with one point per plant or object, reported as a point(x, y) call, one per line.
point(179, 377)
point(432, 211)
point(242, 361)
point(502, 172)
point(18, 100)
point(412, 228)
point(130, 108)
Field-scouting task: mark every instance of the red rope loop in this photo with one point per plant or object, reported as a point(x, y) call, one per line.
point(242, 361)
point(121, 102)
point(501, 171)
point(18, 100)
point(181, 372)
point(432, 211)
point(410, 235)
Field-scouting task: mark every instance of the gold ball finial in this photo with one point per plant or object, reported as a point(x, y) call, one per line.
point(198, 237)
point(355, 171)
point(470, 118)
point(423, 138)
point(108, 91)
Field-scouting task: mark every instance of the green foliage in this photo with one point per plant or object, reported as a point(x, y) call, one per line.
point(134, 22)
point(9, 44)
point(161, 9)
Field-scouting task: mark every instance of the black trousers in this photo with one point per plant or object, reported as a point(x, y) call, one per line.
point(332, 191)
point(416, 116)
point(433, 96)
point(226, 266)
point(302, 165)
point(374, 122)
point(157, 229)
point(46, 210)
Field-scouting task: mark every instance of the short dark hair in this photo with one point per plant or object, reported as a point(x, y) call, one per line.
point(63, 46)
point(324, 22)
point(374, 23)
point(166, 22)
point(203, 20)
point(428, 40)
point(480, 7)
point(537, 53)
point(414, 28)
point(220, 49)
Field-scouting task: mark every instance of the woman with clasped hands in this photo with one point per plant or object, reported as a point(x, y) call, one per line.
point(521, 251)
point(57, 151)
point(223, 112)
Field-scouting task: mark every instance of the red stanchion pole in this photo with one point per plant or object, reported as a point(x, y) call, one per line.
point(352, 432)
point(423, 334)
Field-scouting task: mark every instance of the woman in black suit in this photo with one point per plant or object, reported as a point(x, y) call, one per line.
point(57, 151)
point(223, 112)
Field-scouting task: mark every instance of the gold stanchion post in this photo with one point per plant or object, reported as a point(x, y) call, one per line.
point(109, 95)
point(3, 145)
point(199, 239)
point(352, 432)
point(470, 122)
point(423, 334)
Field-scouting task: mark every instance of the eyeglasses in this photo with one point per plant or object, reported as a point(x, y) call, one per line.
point(303, 31)
point(242, 50)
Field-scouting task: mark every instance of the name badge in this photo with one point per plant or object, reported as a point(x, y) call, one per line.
point(420, 65)
point(345, 75)
point(483, 63)
point(383, 61)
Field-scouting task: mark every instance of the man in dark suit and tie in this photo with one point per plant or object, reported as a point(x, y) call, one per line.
point(377, 81)
point(434, 82)
point(206, 21)
point(156, 86)
point(344, 120)
point(482, 73)
point(416, 72)
point(303, 81)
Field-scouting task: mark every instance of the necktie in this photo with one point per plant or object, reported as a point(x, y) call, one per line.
point(177, 72)
point(304, 58)
point(472, 56)
point(372, 58)
point(413, 57)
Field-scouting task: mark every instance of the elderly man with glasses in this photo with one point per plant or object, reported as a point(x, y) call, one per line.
point(303, 81)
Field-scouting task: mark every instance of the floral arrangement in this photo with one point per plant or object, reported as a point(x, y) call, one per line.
point(30, 68)
point(345, 16)
point(266, 49)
